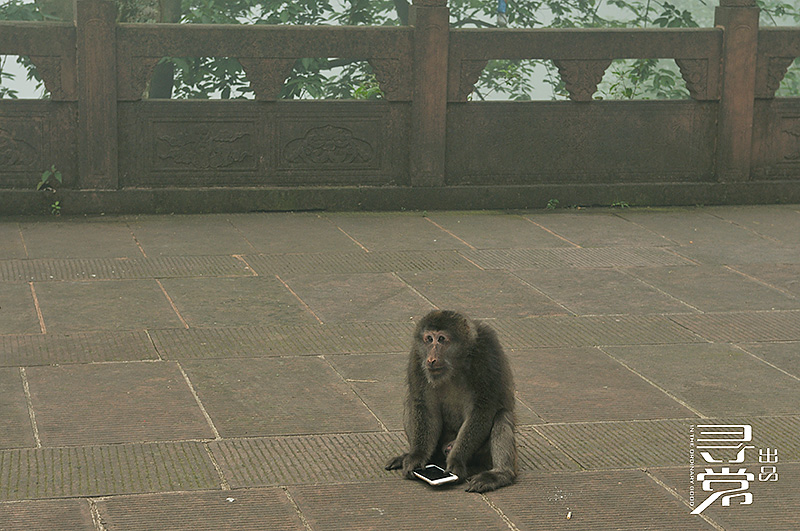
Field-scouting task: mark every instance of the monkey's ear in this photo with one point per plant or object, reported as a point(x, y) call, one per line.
point(472, 331)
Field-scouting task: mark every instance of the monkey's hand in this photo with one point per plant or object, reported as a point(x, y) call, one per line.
point(457, 467)
point(407, 462)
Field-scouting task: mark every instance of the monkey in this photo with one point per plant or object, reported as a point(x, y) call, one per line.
point(459, 405)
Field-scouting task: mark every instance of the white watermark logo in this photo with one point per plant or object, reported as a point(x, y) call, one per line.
point(726, 444)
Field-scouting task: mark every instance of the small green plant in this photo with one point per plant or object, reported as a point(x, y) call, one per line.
point(552, 204)
point(55, 208)
point(48, 176)
point(619, 204)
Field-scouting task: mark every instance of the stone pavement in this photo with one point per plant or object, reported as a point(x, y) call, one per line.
point(246, 371)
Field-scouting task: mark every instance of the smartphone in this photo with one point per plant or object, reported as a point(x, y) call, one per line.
point(435, 475)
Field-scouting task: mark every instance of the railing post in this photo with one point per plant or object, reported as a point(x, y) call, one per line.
point(739, 18)
point(431, 21)
point(97, 94)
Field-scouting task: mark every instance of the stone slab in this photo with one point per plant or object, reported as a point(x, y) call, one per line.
point(482, 294)
point(560, 331)
point(75, 237)
point(584, 384)
point(18, 311)
point(119, 268)
point(781, 355)
point(535, 453)
point(11, 243)
point(254, 510)
point(496, 230)
point(114, 403)
point(401, 504)
point(365, 297)
point(592, 257)
point(618, 499)
point(222, 302)
point(715, 379)
point(104, 305)
point(105, 470)
point(743, 326)
point(313, 459)
point(781, 222)
point(17, 431)
point(593, 228)
point(602, 291)
point(271, 396)
point(334, 338)
point(774, 504)
point(642, 444)
point(785, 277)
point(715, 289)
point(46, 515)
point(282, 232)
point(82, 347)
point(176, 235)
point(395, 232)
point(358, 262)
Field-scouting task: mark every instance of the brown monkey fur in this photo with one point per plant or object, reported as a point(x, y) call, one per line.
point(459, 407)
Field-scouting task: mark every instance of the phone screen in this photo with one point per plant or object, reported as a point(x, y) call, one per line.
point(435, 475)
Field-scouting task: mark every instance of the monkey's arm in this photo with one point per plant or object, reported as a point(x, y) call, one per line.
point(423, 428)
point(474, 432)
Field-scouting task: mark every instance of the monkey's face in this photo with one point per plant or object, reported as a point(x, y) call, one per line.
point(438, 346)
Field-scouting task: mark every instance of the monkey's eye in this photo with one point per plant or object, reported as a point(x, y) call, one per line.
point(441, 339)
point(427, 338)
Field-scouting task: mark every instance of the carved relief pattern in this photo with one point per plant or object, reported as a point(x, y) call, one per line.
point(267, 76)
point(581, 77)
point(204, 147)
point(470, 73)
point(49, 69)
point(141, 70)
point(328, 145)
point(393, 78)
point(695, 73)
point(776, 69)
point(792, 151)
point(15, 152)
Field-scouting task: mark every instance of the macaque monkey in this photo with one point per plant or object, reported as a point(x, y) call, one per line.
point(459, 407)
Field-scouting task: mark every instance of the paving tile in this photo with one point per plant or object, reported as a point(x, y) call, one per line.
point(482, 294)
point(569, 331)
point(715, 379)
point(380, 382)
point(785, 277)
point(278, 233)
point(584, 384)
point(17, 310)
point(256, 510)
point(334, 338)
point(11, 242)
point(715, 289)
point(535, 453)
point(271, 396)
point(644, 444)
point(601, 291)
point(592, 257)
point(395, 232)
point(619, 499)
point(313, 459)
point(82, 347)
point(118, 268)
point(77, 237)
point(597, 229)
point(253, 301)
point(785, 356)
point(188, 235)
point(365, 297)
point(774, 504)
point(358, 262)
point(774, 221)
point(114, 403)
point(743, 326)
point(105, 470)
point(104, 305)
point(496, 230)
point(46, 515)
point(400, 504)
point(17, 431)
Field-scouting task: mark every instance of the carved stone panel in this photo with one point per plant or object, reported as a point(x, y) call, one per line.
point(21, 143)
point(771, 73)
point(581, 77)
point(695, 72)
point(203, 145)
point(790, 140)
point(394, 77)
point(470, 73)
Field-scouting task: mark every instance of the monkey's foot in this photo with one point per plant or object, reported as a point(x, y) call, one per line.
point(489, 480)
point(395, 462)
